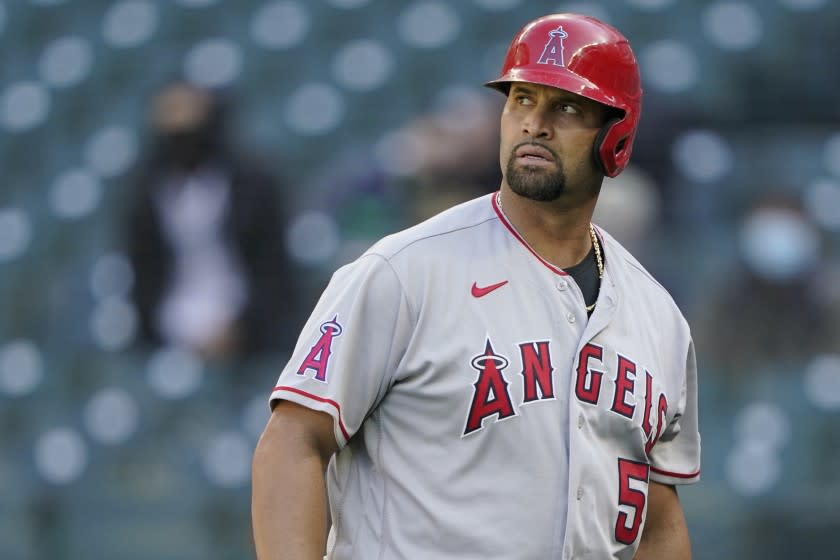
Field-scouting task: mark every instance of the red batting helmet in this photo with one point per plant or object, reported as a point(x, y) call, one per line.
point(584, 56)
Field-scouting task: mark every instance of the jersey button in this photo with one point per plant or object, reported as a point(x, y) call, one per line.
point(570, 317)
point(580, 421)
point(580, 493)
point(562, 284)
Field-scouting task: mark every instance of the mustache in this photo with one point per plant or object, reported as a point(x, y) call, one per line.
point(533, 143)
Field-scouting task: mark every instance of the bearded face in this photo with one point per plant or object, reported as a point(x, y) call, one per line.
point(535, 171)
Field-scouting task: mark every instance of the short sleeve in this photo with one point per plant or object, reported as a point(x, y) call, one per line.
point(675, 459)
point(351, 345)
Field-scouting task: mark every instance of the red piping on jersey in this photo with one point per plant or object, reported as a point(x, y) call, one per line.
point(319, 399)
point(675, 475)
point(515, 233)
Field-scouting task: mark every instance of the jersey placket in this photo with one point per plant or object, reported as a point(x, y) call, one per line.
point(576, 489)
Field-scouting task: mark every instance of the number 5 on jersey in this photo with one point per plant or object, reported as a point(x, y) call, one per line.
point(627, 528)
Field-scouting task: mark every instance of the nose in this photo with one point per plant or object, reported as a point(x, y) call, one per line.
point(536, 124)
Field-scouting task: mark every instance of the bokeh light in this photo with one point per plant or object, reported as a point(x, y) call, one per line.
point(822, 382)
point(61, 455)
point(174, 373)
point(75, 194)
point(130, 23)
point(763, 422)
point(778, 244)
point(497, 5)
point(650, 5)
point(312, 238)
point(314, 109)
point(111, 416)
point(112, 275)
point(753, 469)
point(803, 5)
point(831, 155)
point(21, 368)
point(15, 233)
point(227, 460)
point(111, 151)
point(669, 66)
point(348, 4)
point(66, 61)
point(733, 26)
point(280, 25)
point(113, 323)
point(428, 25)
point(196, 3)
point(822, 201)
point(362, 65)
point(23, 106)
point(703, 155)
point(255, 414)
point(213, 63)
point(400, 153)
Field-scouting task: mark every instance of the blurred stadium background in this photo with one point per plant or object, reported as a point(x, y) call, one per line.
point(372, 113)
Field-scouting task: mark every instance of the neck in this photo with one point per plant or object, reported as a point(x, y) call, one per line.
point(559, 234)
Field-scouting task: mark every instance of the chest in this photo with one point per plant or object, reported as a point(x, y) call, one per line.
point(514, 357)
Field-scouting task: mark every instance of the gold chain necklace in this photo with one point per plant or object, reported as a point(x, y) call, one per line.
point(599, 259)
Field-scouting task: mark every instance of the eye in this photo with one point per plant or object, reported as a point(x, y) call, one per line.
point(522, 99)
point(569, 108)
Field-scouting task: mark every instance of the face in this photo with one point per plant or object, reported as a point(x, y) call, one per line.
point(546, 143)
point(183, 118)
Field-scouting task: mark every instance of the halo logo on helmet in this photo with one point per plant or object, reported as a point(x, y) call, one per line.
point(587, 57)
point(553, 51)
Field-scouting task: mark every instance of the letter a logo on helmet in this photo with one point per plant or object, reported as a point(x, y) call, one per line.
point(585, 56)
point(553, 50)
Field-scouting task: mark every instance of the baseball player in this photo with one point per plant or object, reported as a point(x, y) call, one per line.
point(504, 380)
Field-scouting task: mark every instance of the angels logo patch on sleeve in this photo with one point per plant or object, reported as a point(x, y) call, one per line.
point(319, 355)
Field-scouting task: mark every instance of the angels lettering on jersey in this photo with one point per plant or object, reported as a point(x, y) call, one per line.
point(491, 398)
point(492, 402)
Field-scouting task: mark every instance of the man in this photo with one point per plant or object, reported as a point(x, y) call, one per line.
point(503, 381)
point(205, 236)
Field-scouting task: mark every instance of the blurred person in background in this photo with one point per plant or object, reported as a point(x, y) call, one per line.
point(431, 162)
point(206, 234)
point(455, 154)
point(770, 310)
point(630, 207)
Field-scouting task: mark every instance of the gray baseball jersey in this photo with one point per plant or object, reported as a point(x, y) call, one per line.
point(480, 413)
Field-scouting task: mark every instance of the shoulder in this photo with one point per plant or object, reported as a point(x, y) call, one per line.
point(426, 247)
point(637, 283)
point(629, 265)
point(399, 266)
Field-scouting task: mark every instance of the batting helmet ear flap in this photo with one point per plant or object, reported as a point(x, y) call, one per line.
point(598, 146)
point(613, 145)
